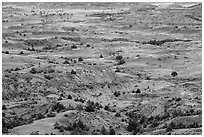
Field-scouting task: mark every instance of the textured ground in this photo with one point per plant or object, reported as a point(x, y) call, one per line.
point(102, 68)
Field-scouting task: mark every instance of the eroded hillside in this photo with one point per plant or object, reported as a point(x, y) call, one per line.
point(101, 68)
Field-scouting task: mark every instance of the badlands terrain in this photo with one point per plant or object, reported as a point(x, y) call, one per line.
point(101, 68)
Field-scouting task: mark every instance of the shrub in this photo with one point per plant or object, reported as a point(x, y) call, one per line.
point(117, 114)
point(101, 56)
point(147, 78)
point(154, 124)
point(51, 114)
point(112, 131)
point(21, 53)
point(103, 131)
point(174, 73)
point(178, 99)
point(73, 71)
point(58, 107)
point(16, 69)
point(4, 130)
point(6, 52)
point(132, 125)
point(39, 116)
point(122, 61)
point(51, 70)
point(73, 46)
point(89, 108)
point(117, 93)
point(35, 133)
point(142, 119)
point(48, 77)
point(69, 97)
point(138, 91)
point(119, 57)
point(80, 59)
point(33, 71)
point(66, 62)
point(107, 108)
point(137, 130)
point(4, 107)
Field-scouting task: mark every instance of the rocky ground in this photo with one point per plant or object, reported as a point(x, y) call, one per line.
point(102, 68)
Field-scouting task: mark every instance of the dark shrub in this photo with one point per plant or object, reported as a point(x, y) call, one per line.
point(73, 71)
point(137, 130)
point(69, 127)
point(89, 108)
point(101, 56)
point(80, 59)
point(6, 52)
point(138, 91)
point(142, 119)
point(117, 114)
point(33, 71)
point(66, 62)
point(73, 46)
point(69, 97)
point(148, 78)
point(4, 107)
point(122, 61)
point(117, 93)
point(39, 116)
point(112, 131)
point(132, 125)
point(178, 99)
point(172, 125)
point(174, 73)
point(58, 107)
point(154, 124)
point(16, 69)
point(119, 57)
point(48, 77)
point(51, 70)
point(107, 108)
point(4, 130)
point(103, 131)
point(98, 106)
point(21, 53)
point(35, 133)
point(51, 114)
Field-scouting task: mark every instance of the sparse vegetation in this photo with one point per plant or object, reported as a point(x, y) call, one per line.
point(124, 69)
